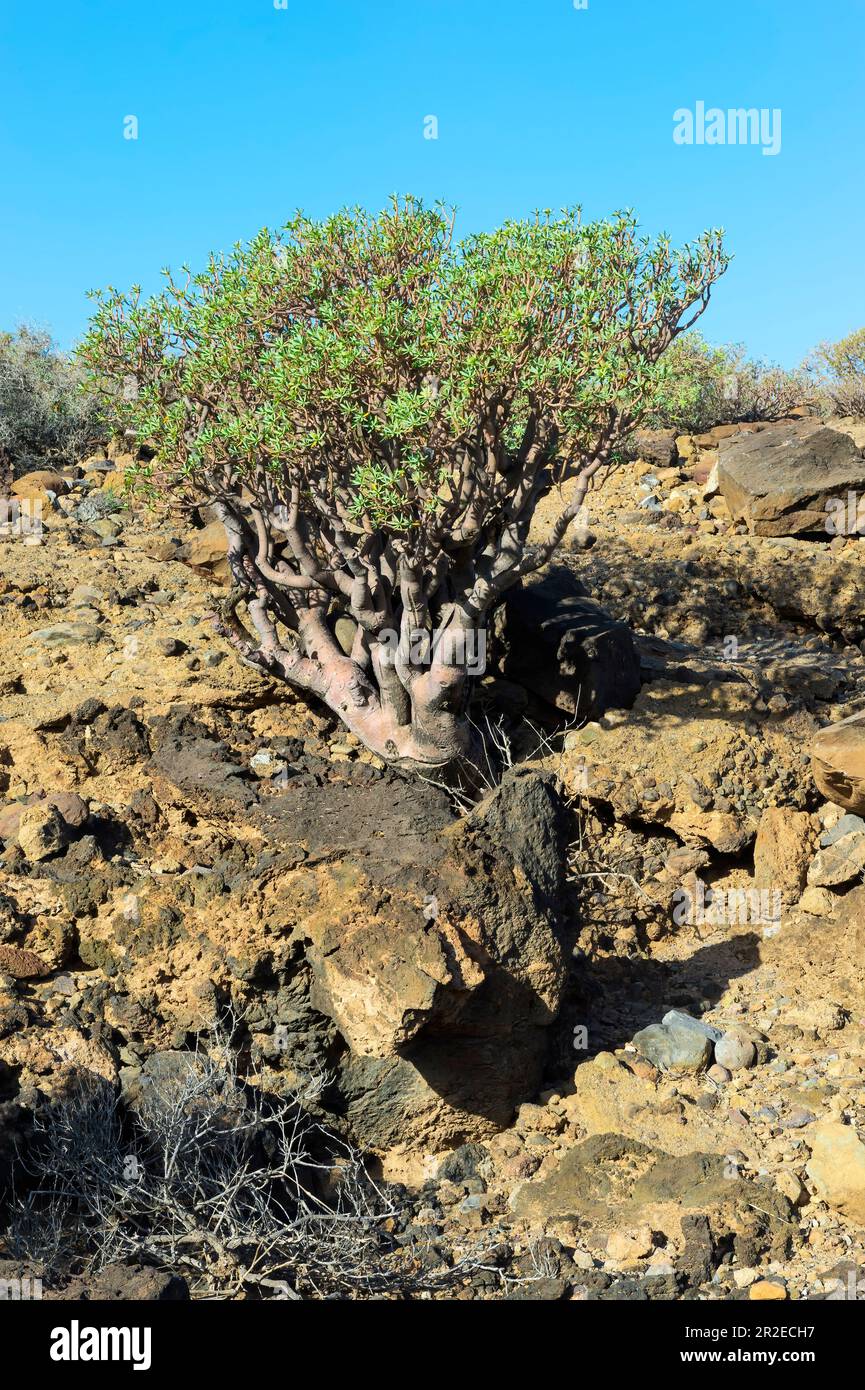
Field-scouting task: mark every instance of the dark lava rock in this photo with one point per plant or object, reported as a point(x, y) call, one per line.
point(566, 649)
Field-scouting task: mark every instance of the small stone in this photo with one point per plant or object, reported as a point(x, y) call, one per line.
point(767, 1291)
point(839, 863)
point(22, 964)
point(735, 1052)
point(791, 1187)
point(72, 807)
point(589, 732)
point(68, 635)
point(630, 1245)
point(108, 528)
point(266, 764)
point(818, 902)
point(172, 646)
point(798, 1118)
point(767, 1113)
point(86, 595)
point(165, 865)
point(718, 1074)
point(674, 1047)
point(42, 832)
point(345, 631)
point(643, 1069)
point(845, 826)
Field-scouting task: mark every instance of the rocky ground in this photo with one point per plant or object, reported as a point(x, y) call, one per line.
point(605, 1031)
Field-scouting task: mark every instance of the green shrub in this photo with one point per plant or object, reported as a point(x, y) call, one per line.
point(840, 371)
point(700, 386)
point(45, 415)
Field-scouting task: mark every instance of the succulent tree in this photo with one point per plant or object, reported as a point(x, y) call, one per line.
point(374, 409)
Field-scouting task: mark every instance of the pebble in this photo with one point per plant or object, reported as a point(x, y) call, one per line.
point(798, 1118)
point(766, 1291)
point(719, 1074)
point(683, 1020)
point(630, 1244)
point(845, 826)
point(266, 764)
point(674, 1046)
point(735, 1053)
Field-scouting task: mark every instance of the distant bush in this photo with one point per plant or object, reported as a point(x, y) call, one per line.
point(700, 386)
point(45, 416)
point(840, 372)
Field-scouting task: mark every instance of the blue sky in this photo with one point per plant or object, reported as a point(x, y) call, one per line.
point(247, 111)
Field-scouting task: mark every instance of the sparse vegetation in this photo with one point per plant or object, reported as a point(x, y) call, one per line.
point(206, 1177)
point(45, 415)
point(840, 372)
point(700, 386)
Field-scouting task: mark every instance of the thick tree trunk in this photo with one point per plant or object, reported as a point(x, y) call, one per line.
point(421, 725)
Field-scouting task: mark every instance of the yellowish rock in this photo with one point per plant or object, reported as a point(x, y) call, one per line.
point(628, 1246)
point(767, 1291)
point(837, 1169)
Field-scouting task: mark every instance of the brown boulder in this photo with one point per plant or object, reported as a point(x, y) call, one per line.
point(838, 762)
point(782, 480)
point(207, 552)
point(22, 964)
point(653, 446)
point(35, 485)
